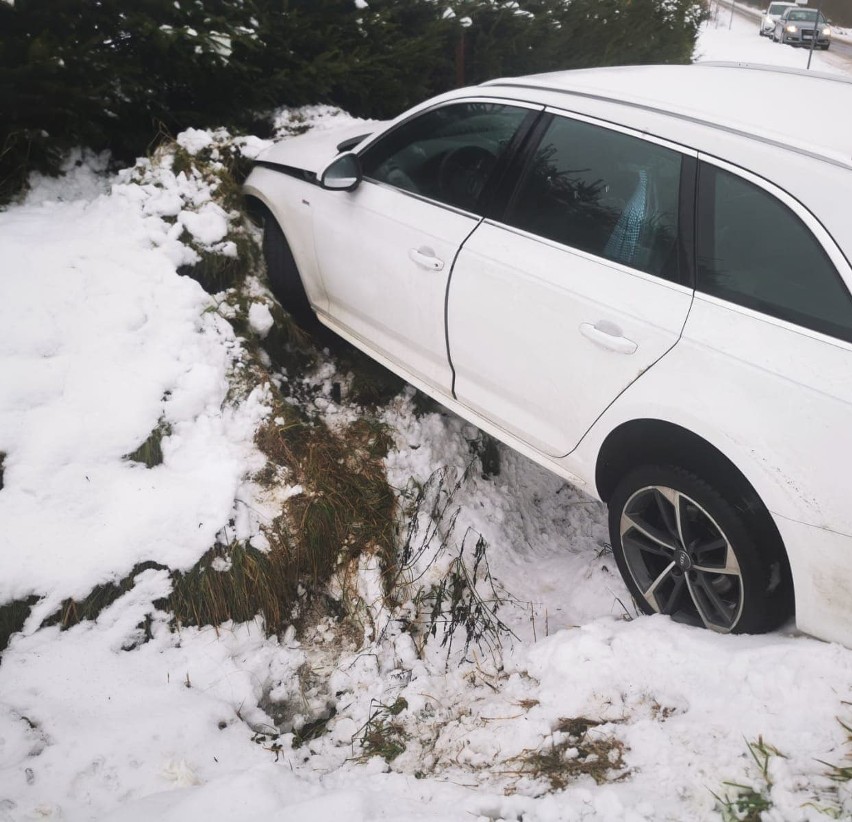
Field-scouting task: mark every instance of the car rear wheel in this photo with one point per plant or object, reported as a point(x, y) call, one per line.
point(283, 274)
point(687, 551)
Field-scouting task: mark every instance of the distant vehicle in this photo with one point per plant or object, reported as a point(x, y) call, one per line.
point(798, 27)
point(771, 16)
point(635, 278)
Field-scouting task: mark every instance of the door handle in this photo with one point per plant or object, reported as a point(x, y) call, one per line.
point(425, 258)
point(608, 335)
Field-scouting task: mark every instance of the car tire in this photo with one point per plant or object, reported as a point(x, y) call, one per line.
point(283, 274)
point(686, 550)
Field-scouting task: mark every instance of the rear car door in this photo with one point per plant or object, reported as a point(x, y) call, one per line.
point(581, 285)
point(386, 249)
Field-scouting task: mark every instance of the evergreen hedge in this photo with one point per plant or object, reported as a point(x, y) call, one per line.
point(114, 74)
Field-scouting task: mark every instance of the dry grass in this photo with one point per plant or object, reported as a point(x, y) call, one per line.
point(577, 749)
point(346, 508)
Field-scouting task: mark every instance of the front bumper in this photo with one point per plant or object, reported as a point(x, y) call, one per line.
point(800, 39)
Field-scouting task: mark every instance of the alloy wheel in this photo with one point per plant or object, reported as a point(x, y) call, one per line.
point(681, 561)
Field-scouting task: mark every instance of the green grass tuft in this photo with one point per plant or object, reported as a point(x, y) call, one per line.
point(150, 453)
point(13, 615)
point(381, 735)
point(235, 582)
point(749, 802)
point(73, 611)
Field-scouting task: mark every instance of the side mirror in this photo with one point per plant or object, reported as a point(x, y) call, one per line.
point(343, 173)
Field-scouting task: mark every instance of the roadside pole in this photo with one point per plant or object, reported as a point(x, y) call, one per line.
point(816, 34)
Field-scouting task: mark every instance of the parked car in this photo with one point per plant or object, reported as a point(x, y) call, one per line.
point(797, 27)
point(636, 279)
point(771, 16)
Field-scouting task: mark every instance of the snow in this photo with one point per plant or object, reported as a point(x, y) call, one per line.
point(125, 718)
point(260, 319)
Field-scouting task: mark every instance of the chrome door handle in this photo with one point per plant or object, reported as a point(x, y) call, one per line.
point(608, 335)
point(425, 258)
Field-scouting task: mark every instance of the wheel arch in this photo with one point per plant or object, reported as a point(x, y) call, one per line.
point(651, 441)
point(270, 195)
point(257, 209)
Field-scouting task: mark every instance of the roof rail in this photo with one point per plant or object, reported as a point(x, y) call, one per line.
point(822, 75)
point(752, 133)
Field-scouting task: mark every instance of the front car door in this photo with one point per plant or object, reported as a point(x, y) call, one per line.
point(580, 286)
point(386, 249)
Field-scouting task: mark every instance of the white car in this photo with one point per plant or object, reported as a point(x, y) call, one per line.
point(636, 278)
point(771, 16)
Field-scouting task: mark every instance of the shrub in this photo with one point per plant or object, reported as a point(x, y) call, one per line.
point(115, 75)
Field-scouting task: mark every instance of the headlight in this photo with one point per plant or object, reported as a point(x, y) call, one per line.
point(826, 32)
point(792, 29)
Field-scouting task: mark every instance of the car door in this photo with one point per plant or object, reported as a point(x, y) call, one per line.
point(581, 285)
point(386, 249)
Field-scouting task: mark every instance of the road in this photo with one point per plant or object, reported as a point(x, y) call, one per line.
point(843, 50)
point(839, 55)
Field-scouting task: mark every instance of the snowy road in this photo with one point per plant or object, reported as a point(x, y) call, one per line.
point(838, 56)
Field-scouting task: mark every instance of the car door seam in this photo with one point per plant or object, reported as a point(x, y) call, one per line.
point(447, 308)
point(689, 237)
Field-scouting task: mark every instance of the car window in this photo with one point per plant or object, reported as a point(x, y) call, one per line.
point(777, 8)
point(603, 192)
point(797, 15)
point(447, 153)
point(754, 251)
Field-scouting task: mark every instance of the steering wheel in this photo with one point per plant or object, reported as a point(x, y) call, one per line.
point(462, 175)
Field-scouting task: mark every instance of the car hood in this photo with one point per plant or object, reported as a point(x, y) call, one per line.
point(314, 150)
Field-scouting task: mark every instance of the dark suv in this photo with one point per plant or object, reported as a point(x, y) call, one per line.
point(798, 27)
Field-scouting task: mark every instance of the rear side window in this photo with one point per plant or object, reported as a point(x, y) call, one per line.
point(446, 154)
point(754, 251)
point(604, 192)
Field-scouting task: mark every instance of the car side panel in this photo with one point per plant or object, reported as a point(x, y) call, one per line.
point(518, 306)
point(777, 401)
point(291, 202)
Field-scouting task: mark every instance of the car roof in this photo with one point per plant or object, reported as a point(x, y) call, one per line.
point(807, 112)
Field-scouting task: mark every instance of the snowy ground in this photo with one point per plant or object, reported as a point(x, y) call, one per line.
point(103, 343)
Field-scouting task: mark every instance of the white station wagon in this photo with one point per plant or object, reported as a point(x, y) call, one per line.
point(639, 278)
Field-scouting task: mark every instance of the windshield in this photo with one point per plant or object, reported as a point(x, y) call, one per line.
point(804, 15)
point(778, 8)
